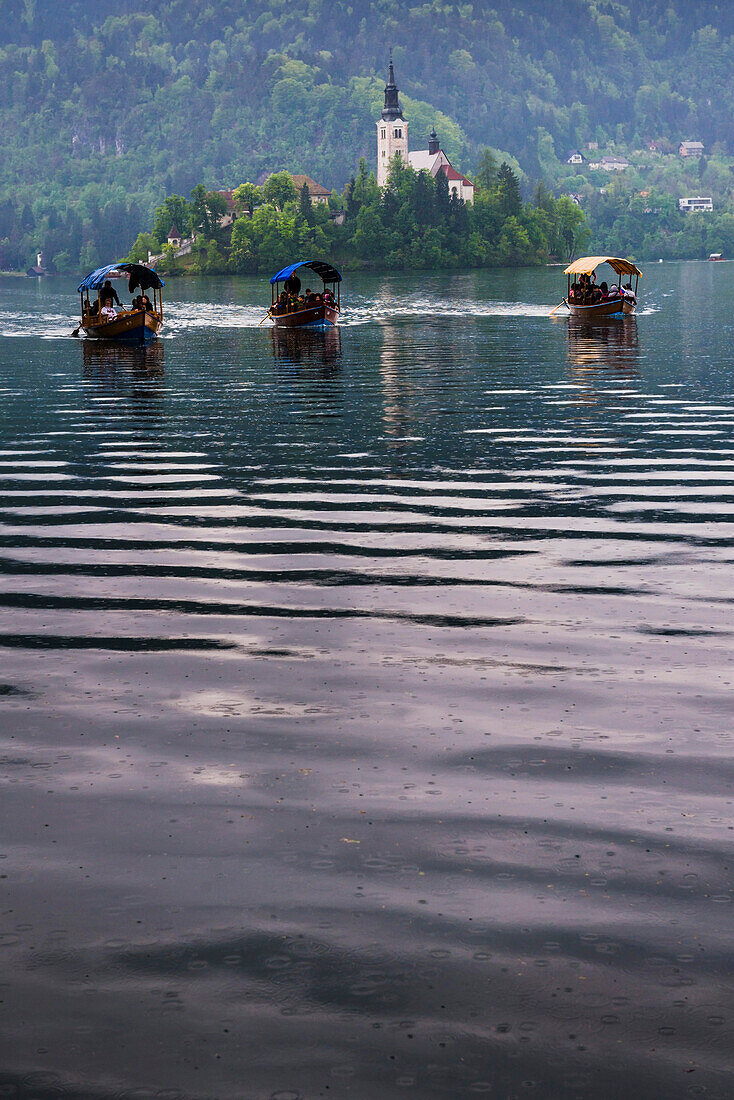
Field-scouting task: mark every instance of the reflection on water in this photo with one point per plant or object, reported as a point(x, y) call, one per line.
point(127, 377)
point(106, 357)
point(612, 343)
point(600, 350)
point(301, 347)
point(365, 699)
point(396, 384)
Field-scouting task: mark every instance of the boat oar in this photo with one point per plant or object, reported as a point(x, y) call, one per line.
point(76, 330)
point(563, 303)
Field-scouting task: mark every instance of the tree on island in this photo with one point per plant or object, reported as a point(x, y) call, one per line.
point(279, 189)
point(247, 197)
point(207, 209)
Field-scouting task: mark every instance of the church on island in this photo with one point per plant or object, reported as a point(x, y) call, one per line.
point(392, 138)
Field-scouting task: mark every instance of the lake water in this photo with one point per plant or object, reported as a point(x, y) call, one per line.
point(366, 699)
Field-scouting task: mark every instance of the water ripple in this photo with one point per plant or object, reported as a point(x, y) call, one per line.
point(366, 696)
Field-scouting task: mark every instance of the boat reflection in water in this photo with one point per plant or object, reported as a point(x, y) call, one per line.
point(605, 344)
point(313, 353)
point(128, 376)
point(105, 359)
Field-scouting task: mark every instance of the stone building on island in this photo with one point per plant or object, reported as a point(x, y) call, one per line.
point(392, 138)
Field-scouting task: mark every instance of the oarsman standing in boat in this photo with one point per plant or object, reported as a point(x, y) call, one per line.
point(108, 295)
point(292, 285)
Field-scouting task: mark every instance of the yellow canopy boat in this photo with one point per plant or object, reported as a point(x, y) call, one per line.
point(588, 299)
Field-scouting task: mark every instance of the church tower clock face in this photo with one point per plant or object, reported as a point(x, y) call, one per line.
point(392, 130)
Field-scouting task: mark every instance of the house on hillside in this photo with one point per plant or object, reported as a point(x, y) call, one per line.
point(696, 203)
point(691, 149)
point(318, 194)
point(614, 164)
point(174, 237)
point(230, 214)
point(575, 156)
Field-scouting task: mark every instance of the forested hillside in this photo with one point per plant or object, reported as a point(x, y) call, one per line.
point(106, 108)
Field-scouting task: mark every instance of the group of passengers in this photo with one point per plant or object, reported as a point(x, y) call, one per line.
point(293, 302)
point(585, 292)
point(109, 299)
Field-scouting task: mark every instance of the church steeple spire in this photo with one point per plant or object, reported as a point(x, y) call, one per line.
point(392, 108)
point(392, 130)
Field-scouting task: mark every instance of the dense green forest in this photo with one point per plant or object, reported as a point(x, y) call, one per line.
point(414, 222)
point(107, 108)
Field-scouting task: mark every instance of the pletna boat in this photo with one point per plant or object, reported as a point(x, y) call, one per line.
point(290, 308)
point(131, 325)
point(594, 300)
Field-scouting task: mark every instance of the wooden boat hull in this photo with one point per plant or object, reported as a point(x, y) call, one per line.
point(320, 315)
point(618, 307)
point(135, 327)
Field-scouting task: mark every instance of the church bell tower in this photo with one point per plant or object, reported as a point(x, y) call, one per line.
point(392, 130)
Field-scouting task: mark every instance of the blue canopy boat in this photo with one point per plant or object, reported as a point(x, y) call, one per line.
point(291, 309)
point(136, 325)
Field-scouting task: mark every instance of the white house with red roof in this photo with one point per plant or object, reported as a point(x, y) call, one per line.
point(392, 138)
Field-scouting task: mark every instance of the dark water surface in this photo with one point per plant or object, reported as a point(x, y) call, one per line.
point(366, 700)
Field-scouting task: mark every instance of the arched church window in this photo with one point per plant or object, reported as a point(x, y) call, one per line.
point(398, 132)
point(383, 133)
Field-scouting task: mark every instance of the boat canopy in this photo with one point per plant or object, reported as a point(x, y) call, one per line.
point(140, 275)
point(326, 272)
point(588, 264)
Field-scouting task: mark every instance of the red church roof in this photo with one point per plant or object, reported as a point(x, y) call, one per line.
point(451, 174)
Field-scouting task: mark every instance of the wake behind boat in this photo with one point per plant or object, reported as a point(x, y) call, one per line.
point(106, 318)
point(591, 300)
point(292, 309)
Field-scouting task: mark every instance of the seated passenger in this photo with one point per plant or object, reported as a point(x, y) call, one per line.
point(604, 291)
point(109, 313)
point(145, 303)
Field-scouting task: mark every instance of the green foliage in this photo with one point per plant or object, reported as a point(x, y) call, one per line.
point(207, 207)
point(174, 211)
point(246, 197)
point(144, 244)
point(414, 223)
point(106, 109)
point(651, 226)
point(279, 189)
point(509, 191)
